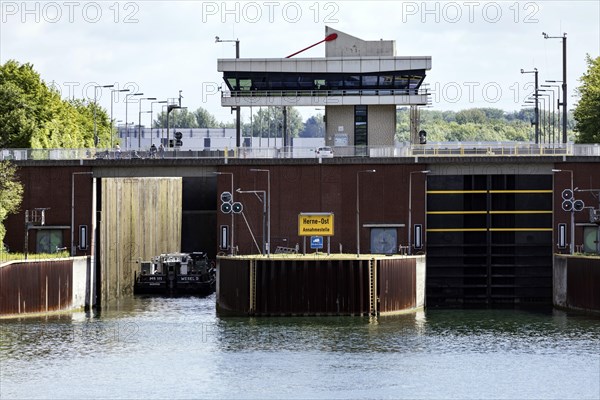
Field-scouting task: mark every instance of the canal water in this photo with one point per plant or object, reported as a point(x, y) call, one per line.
point(180, 348)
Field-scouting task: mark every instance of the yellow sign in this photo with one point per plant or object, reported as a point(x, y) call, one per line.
point(315, 224)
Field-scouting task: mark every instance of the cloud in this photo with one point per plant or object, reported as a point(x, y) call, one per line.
point(167, 46)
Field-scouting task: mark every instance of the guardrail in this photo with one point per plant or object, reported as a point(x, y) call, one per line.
point(324, 93)
point(482, 149)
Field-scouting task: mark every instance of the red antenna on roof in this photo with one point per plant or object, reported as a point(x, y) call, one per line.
point(329, 38)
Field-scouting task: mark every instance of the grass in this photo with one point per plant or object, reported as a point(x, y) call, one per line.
point(6, 257)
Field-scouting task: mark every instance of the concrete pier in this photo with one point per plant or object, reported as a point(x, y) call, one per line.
point(41, 287)
point(576, 280)
point(316, 285)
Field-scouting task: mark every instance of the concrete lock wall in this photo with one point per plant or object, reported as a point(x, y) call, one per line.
point(44, 286)
point(330, 285)
point(576, 283)
point(140, 218)
point(559, 277)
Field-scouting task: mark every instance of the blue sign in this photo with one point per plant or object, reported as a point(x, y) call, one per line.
point(316, 242)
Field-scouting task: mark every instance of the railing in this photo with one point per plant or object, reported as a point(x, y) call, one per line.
point(479, 149)
point(325, 93)
point(499, 149)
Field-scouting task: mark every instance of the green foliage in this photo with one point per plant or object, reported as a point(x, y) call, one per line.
point(5, 257)
point(204, 119)
point(200, 118)
point(268, 122)
point(11, 194)
point(32, 115)
point(178, 118)
point(313, 127)
point(474, 125)
point(587, 113)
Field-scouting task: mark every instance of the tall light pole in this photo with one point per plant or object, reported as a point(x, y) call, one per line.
point(368, 171)
point(264, 201)
point(268, 206)
point(96, 106)
point(143, 112)
point(537, 109)
point(232, 213)
point(170, 108)
point(526, 104)
point(162, 131)
point(126, 120)
point(152, 118)
point(564, 81)
point(410, 207)
point(542, 117)
point(550, 95)
point(140, 121)
point(572, 245)
point(558, 103)
point(111, 112)
point(237, 108)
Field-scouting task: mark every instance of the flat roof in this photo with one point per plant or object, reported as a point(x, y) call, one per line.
point(325, 65)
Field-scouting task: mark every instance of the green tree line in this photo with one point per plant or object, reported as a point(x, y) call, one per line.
point(483, 124)
point(33, 115)
point(587, 112)
point(11, 193)
point(265, 122)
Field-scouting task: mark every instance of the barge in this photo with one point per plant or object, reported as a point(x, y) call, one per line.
point(176, 274)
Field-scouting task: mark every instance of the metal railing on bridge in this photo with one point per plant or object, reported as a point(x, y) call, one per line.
point(454, 149)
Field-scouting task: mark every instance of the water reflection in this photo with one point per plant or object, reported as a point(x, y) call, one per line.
point(116, 353)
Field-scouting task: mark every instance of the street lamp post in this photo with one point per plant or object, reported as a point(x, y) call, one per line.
point(111, 112)
point(96, 106)
point(237, 108)
point(526, 104)
point(558, 103)
point(170, 108)
point(572, 245)
point(264, 201)
point(542, 117)
point(564, 81)
point(152, 118)
point(551, 112)
point(127, 138)
point(140, 121)
point(550, 95)
point(358, 207)
point(268, 206)
point(162, 130)
point(410, 207)
point(231, 252)
point(537, 109)
point(143, 112)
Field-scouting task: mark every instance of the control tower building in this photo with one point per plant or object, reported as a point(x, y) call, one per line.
point(358, 82)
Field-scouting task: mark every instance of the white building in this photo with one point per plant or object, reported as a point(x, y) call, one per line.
point(360, 83)
point(210, 139)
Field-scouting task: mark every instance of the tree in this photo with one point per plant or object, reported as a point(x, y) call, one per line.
point(32, 115)
point(587, 112)
point(11, 194)
point(178, 118)
point(473, 115)
point(268, 122)
point(313, 127)
point(204, 119)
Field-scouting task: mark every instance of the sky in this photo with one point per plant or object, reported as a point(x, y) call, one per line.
point(478, 48)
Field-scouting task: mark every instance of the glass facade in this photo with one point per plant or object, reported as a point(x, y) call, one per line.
point(489, 239)
point(297, 81)
point(360, 126)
